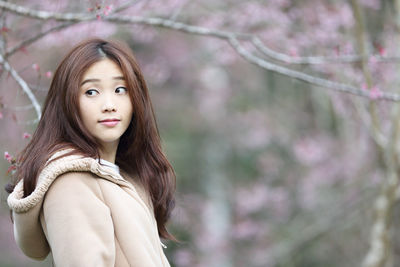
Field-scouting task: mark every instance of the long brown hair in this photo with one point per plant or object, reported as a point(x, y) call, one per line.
point(139, 150)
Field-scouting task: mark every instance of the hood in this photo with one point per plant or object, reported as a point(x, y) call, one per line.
point(28, 231)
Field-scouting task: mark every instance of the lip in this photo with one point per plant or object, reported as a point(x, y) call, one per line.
point(109, 122)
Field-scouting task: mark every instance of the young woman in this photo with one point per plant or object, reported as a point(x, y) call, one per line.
point(93, 186)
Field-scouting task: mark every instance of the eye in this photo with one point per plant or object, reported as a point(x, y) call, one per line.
point(91, 92)
point(121, 90)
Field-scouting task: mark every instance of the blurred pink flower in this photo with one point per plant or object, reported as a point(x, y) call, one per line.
point(293, 52)
point(7, 156)
point(372, 61)
point(1, 115)
point(364, 86)
point(48, 74)
point(309, 151)
point(5, 29)
point(26, 135)
point(381, 50)
point(246, 229)
point(375, 93)
point(36, 67)
point(107, 10)
point(183, 257)
point(251, 200)
point(11, 168)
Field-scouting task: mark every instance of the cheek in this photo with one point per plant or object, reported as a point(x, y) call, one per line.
point(128, 108)
point(85, 120)
point(85, 111)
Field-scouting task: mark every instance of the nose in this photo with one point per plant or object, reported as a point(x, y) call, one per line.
point(109, 105)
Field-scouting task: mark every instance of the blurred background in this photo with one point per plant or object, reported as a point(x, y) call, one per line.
point(272, 170)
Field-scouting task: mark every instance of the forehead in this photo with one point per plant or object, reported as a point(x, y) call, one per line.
point(102, 69)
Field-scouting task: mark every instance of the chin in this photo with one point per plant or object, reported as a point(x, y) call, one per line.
point(109, 139)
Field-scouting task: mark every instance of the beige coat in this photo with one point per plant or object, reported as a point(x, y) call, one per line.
point(86, 214)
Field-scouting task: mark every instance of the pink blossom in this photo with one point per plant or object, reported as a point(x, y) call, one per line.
point(375, 93)
point(373, 64)
point(251, 200)
point(309, 151)
point(5, 29)
point(293, 52)
point(11, 168)
point(48, 74)
point(36, 67)
point(184, 257)
point(23, 50)
point(347, 48)
point(372, 60)
point(107, 10)
point(7, 156)
point(246, 229)
point(98, 17)
point(364, 86)
point(381, 50)
point(1, 115)
point(26, 136)
point(345, 15)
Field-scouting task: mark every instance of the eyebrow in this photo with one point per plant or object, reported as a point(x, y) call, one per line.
point(98, 80)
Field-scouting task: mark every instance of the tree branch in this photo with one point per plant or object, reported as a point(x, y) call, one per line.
point(172, 24)
point(380, 139)
point(29, 41)
point(231, 37)
point(341, 87)
point(361, 39)
point(380, 244)
point(317, 60)
point(23, 85)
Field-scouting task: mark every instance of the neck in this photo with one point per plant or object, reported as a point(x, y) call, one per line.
point(109, 151)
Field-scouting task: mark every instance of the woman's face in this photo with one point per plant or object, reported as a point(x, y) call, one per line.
point(104, 103)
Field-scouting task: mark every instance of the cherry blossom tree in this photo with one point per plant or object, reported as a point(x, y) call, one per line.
point(281, 118)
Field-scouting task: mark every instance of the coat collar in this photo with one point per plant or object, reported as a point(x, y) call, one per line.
point(51, 171)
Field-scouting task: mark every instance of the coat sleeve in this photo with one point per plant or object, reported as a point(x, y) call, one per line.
point(78, 223)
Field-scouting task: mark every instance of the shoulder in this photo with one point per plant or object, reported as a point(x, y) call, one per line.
point(75, 178)
point(74, 186)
